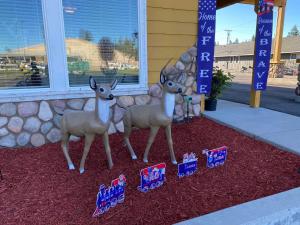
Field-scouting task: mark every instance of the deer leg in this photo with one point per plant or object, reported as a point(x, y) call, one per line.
point(87, 145)
point(170, 143)
point(127, 132)
point(107, 149)
point(65, 148)
point(153, 133)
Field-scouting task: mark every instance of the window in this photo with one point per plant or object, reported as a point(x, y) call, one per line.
point(50, 48)
point(101, 39)
point(23, 60)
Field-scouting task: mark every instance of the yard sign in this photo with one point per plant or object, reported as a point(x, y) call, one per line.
point(263, 44)
point(205, 44)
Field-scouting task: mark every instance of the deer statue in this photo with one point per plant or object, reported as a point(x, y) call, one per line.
point(88, 124)
point(153, 117)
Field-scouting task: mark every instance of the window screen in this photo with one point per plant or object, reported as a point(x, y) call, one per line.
point(101, 40)
point(23, 61)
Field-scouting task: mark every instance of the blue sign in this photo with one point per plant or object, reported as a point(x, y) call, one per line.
point(216, 157)
point(152, 177)
point(188, 166)
point(109, 197)
point(205, 44)
point(263, 44)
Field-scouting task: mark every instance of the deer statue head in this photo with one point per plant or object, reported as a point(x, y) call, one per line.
point(169, 86)
point(103, 91)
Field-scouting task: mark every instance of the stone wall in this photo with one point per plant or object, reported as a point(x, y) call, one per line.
point(37, 123)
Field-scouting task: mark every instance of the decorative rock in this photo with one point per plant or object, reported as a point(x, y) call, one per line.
point(183, 78)
point(188, 91)
point(8, 109)
point(125, 101)
point(193, 69)
point(90, 105)
point(194, 87)
point(189, 81)
point(186, 58)
point(32, 124)
point(111, 129)
point(178, 99)
point(59, 106)
point(192, 51)
point(171, 69)
point(75, 104)
point(54, 135)
point(118, 115)
point(196, 109)
point(155, 101)
point(3, 121)
point(8, 141)
point(37, 140)
point(45, 112)
point(15, 124)
point(74, 138)
point(155, 91)
point(23, 139)
point(26, 109)
point(142, 99)
point(178, 110)
point(120, 127)
point(46, 127)
point(196, 99)
point(57, 120)
point(3, 132)
point(180, 66)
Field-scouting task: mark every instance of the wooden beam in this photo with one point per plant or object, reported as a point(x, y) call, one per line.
point(279, 34)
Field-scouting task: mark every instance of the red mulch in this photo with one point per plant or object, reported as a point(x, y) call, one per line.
point(39, 189)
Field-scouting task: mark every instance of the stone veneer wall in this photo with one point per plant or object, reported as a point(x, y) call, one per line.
point(37, 123)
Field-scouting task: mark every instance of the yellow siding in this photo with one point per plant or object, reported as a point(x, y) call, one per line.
point(172, 29)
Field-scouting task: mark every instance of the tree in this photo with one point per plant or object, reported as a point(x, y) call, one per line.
point(236, 41)
point(106, 49)
point(128, 47)
point(253, 38)
point(294, 32)
point(85, 35)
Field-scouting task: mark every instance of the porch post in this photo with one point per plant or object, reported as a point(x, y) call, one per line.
point(276, 63)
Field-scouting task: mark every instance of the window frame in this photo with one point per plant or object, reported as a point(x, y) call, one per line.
point(59, 87)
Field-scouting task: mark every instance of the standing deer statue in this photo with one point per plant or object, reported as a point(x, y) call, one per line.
point(88, 124)
point(153, 117)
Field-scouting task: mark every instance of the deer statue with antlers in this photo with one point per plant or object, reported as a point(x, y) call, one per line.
point(154, 117)
point(89, 124)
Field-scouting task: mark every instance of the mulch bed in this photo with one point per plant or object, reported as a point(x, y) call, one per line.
point(39, 189)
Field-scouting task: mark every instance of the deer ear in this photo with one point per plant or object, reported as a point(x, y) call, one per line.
point(163, 78)
point(114, 84)
point(93, 83)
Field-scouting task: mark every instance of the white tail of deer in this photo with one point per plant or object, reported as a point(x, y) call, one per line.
point(88, 124)
point(153, 117)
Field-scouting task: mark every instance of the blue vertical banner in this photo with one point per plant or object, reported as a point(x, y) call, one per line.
point(263, 44)
point(205, 44)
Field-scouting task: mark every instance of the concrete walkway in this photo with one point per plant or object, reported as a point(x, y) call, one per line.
point(279, 209)
point(276, 128)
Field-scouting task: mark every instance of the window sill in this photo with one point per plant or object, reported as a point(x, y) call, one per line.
point(39, 94)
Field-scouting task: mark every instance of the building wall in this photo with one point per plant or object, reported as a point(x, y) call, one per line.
point(172, 29)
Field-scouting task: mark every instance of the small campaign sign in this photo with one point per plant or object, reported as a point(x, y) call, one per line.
point(188, 166)
point(216, 157)
point(152, 177)
point(109, 197)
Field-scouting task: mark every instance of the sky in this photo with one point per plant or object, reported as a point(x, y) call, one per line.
point(241, 19)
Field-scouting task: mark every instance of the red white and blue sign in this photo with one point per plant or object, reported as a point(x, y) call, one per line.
point(263, 44)
point(152, 177)
point(216, 157)
point(188, 166)
point(109, 197)
point(205, 44)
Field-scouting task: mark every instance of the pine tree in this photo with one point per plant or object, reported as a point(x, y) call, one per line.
point(294, 32)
